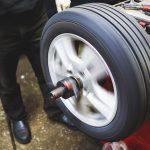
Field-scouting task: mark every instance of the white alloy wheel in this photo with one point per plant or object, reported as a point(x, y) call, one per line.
point(70, 55)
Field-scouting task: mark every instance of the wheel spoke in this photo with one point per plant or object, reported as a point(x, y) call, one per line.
point(61, 52)
point(60, 71)
point(71, 51)
point(82, 105)
point(98, 72)
point(99, 105)
point(105, 96)
point(93, 63)
point(86, 55)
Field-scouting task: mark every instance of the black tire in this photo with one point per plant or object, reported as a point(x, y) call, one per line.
point(126, 49)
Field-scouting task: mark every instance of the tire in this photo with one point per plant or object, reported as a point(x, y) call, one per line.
point(125, 48)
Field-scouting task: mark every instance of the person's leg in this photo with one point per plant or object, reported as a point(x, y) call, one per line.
point(9, 89)
point(33, 35)
point(33, 54)
point(34, 57)
point(50, 7)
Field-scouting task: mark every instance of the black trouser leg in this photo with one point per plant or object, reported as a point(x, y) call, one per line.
point(33, 54)
point(9, 89)
point(9, 55)
point(34, 58)
point(50, 7)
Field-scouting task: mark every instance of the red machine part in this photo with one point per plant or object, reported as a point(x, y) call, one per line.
point(141, 139)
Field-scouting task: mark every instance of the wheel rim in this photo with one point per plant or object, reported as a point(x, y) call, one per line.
point(70, 55)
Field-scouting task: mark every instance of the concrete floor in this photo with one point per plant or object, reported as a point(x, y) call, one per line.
point(46, 134)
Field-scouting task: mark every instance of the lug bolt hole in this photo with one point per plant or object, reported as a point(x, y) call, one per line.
point(81, 74)
point(69, 71)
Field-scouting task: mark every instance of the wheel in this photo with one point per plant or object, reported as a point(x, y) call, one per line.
point(110, 53)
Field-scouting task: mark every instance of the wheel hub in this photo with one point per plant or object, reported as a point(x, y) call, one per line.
point(66, 88)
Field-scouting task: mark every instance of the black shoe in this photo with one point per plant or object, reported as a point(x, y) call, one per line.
point(63, 119)
point(21, 131)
